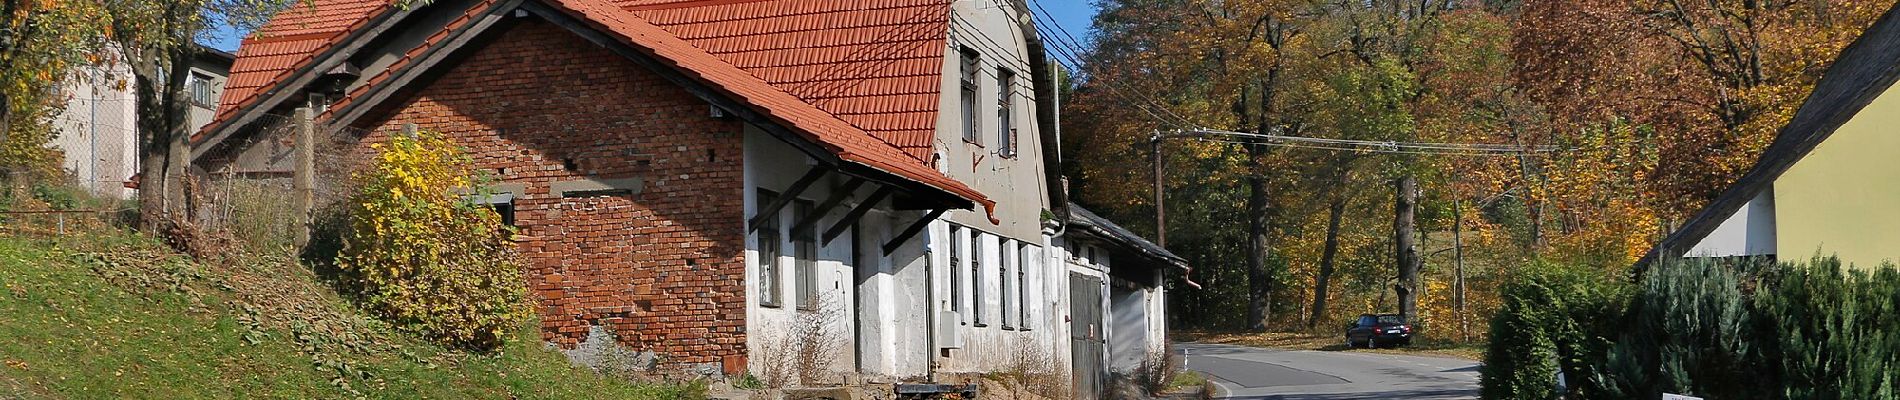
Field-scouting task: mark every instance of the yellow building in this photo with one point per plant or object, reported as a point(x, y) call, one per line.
point(1829, 185)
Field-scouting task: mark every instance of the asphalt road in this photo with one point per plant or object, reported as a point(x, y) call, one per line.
point(1256, 373)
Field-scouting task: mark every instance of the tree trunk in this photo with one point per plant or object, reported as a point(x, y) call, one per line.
point(6, 117)
point(178, 133)
point(154, 139)
point(1406, 247)
point(1327, 258)
point(1259, 288)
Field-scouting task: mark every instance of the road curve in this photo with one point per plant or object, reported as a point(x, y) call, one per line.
point(1257, 373)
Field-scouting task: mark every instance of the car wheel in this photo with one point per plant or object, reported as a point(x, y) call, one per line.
point(1372, 342)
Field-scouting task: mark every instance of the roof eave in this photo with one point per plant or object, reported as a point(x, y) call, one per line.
point(1866, 68)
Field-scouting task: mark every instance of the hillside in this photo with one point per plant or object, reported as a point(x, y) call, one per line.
point(117, 315)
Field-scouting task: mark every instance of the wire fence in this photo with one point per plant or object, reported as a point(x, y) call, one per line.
point(250, 185)
point(261, 185)
point(65, 165)
point(96, 132)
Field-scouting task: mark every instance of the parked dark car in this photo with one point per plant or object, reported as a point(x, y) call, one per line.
point(1373, 331)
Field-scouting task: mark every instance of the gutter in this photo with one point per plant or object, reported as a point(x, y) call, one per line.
point(1048, 128)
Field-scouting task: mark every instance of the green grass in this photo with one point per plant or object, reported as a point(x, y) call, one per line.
point(117, 316)
point(1184, 379)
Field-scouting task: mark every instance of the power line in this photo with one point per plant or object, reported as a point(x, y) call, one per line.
point(988, 43)
point(1372, 146)
point(1357, 149)
point(1066, 46)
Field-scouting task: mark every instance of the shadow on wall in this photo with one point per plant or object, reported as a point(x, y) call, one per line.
point(579, 111)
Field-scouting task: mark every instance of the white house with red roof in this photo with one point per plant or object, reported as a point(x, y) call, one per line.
point(713, 184)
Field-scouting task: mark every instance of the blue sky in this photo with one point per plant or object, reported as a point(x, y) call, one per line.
point(1073, 15)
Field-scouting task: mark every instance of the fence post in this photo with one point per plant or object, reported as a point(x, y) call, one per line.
point(306, 175)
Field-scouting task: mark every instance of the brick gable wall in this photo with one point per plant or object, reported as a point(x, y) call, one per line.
point(663, 269)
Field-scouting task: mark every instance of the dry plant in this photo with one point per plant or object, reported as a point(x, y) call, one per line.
point(1157, 370)
point(1032, 372)
point(805, 355)
point(256, 211)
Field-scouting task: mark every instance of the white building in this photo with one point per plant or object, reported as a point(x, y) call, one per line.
point(892, 216)
point(98, 130)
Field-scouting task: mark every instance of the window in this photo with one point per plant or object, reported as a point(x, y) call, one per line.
point(970, 67)
point(769, 252)
point(199, 88)
point(1007, 285)
point(1005, 109)
point(805, 252)
point(976, 277)
point(956, 268)
point(1025, 262)
point(502, 203)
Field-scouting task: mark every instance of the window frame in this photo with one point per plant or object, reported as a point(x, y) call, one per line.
point(956, 270)
point(198, 88)
point(805, 258)
point(976, 278)
point(1006, 287)
point(770, 240)
point(970, 63)
point(1024, 300)
point(1005, 112)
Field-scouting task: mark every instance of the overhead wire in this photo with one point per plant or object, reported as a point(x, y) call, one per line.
point(1469, 147)
point(1065, 46)
point(1354, 149)
point(1067, 49)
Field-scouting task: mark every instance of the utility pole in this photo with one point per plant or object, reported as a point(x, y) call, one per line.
point(1458, 267)
point(1161, 208)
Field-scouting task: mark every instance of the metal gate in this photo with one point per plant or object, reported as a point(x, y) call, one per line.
point(1086, 335)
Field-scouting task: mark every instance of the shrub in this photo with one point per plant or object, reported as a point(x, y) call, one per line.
point(1829, 334)
point(1688, 332)
point(1554, 319)
point(1717, 329)
point(425, 258)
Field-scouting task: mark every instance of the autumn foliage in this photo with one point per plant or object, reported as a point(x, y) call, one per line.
point(1651, 106)
point(425, 257)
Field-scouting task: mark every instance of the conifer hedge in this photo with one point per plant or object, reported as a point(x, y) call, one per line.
point(1717, 329)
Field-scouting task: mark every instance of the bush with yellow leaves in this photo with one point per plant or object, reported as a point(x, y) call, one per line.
point(425, 257)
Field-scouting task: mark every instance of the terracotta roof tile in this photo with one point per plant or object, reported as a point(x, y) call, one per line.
point(861, 78)
point(291, 40)
point(825, 51)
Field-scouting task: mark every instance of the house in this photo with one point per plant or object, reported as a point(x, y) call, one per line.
point(98, 128)
point(848, 192)
point(1124, 323)
point(1826, 185)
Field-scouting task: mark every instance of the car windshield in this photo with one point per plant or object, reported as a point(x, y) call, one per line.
point(1367, 320)
point(1391, 320)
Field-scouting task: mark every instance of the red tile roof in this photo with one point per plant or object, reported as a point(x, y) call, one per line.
point(408, 57)
point(290, 41)
point(861, 79)
point(876, 64)
point(848, 141)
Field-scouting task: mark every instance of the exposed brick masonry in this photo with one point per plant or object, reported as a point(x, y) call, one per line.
point(663, 268)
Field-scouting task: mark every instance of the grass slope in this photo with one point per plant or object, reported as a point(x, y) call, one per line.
point(118, 316)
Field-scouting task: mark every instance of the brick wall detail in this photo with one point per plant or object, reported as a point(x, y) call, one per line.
point(663, 269)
